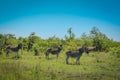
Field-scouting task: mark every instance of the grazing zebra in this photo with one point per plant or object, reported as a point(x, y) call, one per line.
point(54, 51)
point(13, 49)
point(76, 54)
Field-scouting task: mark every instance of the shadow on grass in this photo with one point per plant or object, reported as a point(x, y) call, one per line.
point(73, 64)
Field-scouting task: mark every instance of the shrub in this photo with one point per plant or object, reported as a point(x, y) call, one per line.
point(115, 51)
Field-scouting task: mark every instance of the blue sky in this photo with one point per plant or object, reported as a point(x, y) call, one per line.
point(53, 17)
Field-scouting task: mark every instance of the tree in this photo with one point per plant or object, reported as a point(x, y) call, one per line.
point(70, 42)
point(1, 39)
point(32, 39)
point(71, 34)
point(10, 39)
point(1, 43)
point(98, 38)
point(53, 41)
point(86, 40)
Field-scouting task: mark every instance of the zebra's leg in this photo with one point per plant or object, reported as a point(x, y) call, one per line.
point(7, 52)
point(47, 55)
point(67, 57)
point(77, 60)
point(17, 55)
point(57, 56)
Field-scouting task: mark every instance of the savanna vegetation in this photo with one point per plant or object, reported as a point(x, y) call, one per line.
point(102, 62)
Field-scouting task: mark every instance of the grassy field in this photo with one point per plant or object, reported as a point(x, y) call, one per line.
point(95, 66)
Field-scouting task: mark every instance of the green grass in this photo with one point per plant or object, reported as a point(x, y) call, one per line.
point(95, 66)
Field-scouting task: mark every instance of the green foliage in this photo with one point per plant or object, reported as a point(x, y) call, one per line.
point(32, 39)
point(70, 42)
point(24, 41)
point(10, 39)
point(86, 39)
point(98, 38)
point(2, 39)
point(53, 41)
point(115, 51)
point(71, 35)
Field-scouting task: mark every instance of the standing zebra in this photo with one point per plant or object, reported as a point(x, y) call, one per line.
point(13, 49)
point(76, 54)
point(54, 51)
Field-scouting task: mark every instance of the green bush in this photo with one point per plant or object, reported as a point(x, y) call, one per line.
point(115, 51)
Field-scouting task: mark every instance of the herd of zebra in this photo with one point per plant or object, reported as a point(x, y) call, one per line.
point(55, 51)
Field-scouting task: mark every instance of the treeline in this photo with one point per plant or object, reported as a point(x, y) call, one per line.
point(94, 39)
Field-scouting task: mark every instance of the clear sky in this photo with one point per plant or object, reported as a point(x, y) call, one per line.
point(53, 17)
